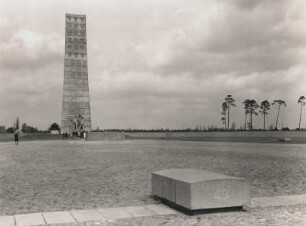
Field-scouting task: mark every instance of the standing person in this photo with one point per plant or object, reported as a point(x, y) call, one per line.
point(16, 136)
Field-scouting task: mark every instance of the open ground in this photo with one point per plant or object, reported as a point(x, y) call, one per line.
point(41, 176)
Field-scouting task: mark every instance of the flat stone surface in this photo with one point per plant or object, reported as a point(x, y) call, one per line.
point(139, 211)
point(293, 199)
point(270, 201)
point(271, 216)
point(161, 209)
point(7, 221)
point(267, 201)
point(115, 213)
point(192, 175)
point(61, 217)
point(33, 219)
point(285, 200)
point(87, 215)
point(75, 216)
point(255, 203)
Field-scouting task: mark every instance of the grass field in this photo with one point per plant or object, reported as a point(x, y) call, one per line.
point(60, 175)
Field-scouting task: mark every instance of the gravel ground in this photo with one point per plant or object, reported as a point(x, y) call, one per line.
point(41, 176)
point(276, 216)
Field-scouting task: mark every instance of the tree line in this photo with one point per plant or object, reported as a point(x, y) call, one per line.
point(25, 128)
point(252, 108)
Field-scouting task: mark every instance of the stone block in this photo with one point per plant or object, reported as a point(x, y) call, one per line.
point(87, 215)
point(197, 189)
point(115, 213)
point(62, 217)
point(33, 219)
point(139, 211)
point(7, 221)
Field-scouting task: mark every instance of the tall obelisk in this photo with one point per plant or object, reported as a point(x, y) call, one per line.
point(76, 102)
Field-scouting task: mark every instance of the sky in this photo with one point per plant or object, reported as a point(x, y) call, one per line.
point(155, 64)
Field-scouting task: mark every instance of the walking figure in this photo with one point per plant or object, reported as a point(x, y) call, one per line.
point(16, 136)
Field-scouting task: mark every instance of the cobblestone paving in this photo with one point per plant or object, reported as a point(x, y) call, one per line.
point(40, 176)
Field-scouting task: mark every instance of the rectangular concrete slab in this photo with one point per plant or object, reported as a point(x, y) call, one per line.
point(34, 219)
point(61, 217)
point(115, 213)
point(197, 189)
point(161, 210)
point(7, 221)
point(87, 215)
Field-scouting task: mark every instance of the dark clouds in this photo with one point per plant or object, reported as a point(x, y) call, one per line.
point(155, 63)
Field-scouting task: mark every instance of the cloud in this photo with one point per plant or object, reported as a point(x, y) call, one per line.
point(226, 40)
point(157, 63)
point(30, 50)
point(31, 65)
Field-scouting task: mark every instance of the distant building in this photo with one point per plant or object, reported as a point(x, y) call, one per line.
point(76, 101)
point(54, 131)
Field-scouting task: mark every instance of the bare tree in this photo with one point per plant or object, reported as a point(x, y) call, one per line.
point(302, 102)
point(278, 104)
point(264, 108)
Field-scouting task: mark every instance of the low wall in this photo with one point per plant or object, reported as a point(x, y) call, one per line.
point(221, 136)
point(224, 136)
point(95, 136)
point(6, 137)
point(276, 134)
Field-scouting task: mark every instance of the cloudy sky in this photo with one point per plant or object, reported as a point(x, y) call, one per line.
point(155, 63)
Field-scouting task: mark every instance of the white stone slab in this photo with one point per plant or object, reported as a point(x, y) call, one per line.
point(7, 221)
point(115, 213)
point(285, 200)
point(198, 189)
point(293, 199)
point(33, 219)
point(161, 210)
point(254, 203)
point(139, 211)
point(87, 215)
point(269, 201)
point(61, 217)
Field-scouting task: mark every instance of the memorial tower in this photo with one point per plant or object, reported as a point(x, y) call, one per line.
point(75, 101)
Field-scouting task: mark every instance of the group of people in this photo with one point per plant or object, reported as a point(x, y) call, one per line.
point(65, 136)
point(81, 135)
